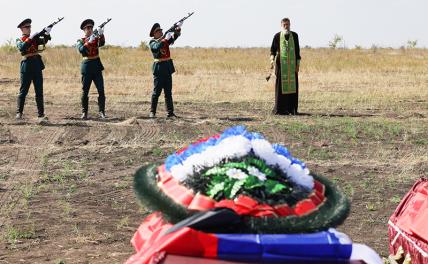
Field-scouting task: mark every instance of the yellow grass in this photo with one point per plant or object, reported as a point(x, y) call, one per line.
point(329, 79)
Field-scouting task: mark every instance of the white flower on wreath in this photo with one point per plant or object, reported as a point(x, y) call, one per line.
point(254, 171)
point(236, 174)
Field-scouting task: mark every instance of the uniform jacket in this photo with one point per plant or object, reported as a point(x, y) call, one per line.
point(160, 51)
point(90, 49)
point(28, 46)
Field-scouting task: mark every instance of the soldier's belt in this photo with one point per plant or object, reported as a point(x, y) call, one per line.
point(91, 57)
point(26, 56)
point(162, 59)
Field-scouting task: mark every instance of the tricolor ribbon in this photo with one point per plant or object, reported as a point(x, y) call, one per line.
point(151, 242)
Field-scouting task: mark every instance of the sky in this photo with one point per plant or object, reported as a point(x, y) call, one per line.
point(229, 23)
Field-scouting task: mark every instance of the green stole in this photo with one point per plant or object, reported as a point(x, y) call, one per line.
point(288, 64)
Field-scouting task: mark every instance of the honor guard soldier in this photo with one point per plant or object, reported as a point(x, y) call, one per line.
point(91, 67)
point(30, 46)
point(163, 67)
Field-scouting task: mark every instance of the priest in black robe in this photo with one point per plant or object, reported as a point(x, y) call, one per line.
point(285, 54)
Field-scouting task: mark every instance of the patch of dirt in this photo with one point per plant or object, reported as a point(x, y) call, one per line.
point(4, 81)
point(66, 188)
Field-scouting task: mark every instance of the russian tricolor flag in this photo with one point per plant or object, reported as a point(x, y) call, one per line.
point(153, 242)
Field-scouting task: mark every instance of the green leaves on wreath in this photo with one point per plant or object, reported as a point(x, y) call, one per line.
point(273, 187)
point(220, 185)
point(216, 171)
point(236, 165)
point(252, 182)
point(236, 188)
point(227, 188)
point(261, 165)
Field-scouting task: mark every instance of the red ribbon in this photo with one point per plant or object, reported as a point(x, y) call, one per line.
point(150, 241)
point(304, 207)
point(242, 205)
point(283, 210)
point(170, 186)
point(201, 203)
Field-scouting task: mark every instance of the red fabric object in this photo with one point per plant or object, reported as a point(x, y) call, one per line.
point(408, 225)
point(93, 46)
point(245, 201)
point(261, 210)
point(226, 203)
point(163, 174)
point(284, 210)
point(319, 187)
point(304, 207)
point(152, 223)
point(201, 203)
point(245, 205)
point(315, 198)
point(151, 243)
point(33, 44)
point(173, 189)
point(265, 213)
point(242, 205)
point(164, 50)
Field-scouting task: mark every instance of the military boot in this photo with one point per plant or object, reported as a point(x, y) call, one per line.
point(84, 116)
point(18, 116)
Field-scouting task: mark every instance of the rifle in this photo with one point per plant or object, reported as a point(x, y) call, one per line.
point(41, 47)
point(51, 25)
point(101, 26)
point(171, 29)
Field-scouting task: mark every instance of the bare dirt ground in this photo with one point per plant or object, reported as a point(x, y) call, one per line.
point(66, 187)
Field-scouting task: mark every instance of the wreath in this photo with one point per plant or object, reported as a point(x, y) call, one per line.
point(271, 190)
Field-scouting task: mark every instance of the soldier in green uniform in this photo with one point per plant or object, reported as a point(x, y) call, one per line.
point(91, 67)
point(163, 67)
point(30, 46)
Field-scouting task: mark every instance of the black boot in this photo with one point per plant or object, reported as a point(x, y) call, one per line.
point(20, 102)
point(85, 103)
point(40, 106)
point(154, 105)
point(84, 116)
point(170, 115)
point(101, 104)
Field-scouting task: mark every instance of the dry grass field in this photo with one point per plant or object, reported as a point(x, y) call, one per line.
point(66, 192)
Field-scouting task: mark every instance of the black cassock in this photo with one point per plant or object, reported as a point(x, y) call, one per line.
point(285, 104)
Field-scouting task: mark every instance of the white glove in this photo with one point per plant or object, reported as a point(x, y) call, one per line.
point(169, 35)
point(33, 35)
point(91, 38)
point(179, 24)
point(101, 31)
point(48, 30)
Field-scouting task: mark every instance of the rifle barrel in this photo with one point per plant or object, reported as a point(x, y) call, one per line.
point(104, 23)
point(174, 25)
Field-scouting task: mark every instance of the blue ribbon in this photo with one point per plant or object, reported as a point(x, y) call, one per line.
point(175, 159)
point(283, 247)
